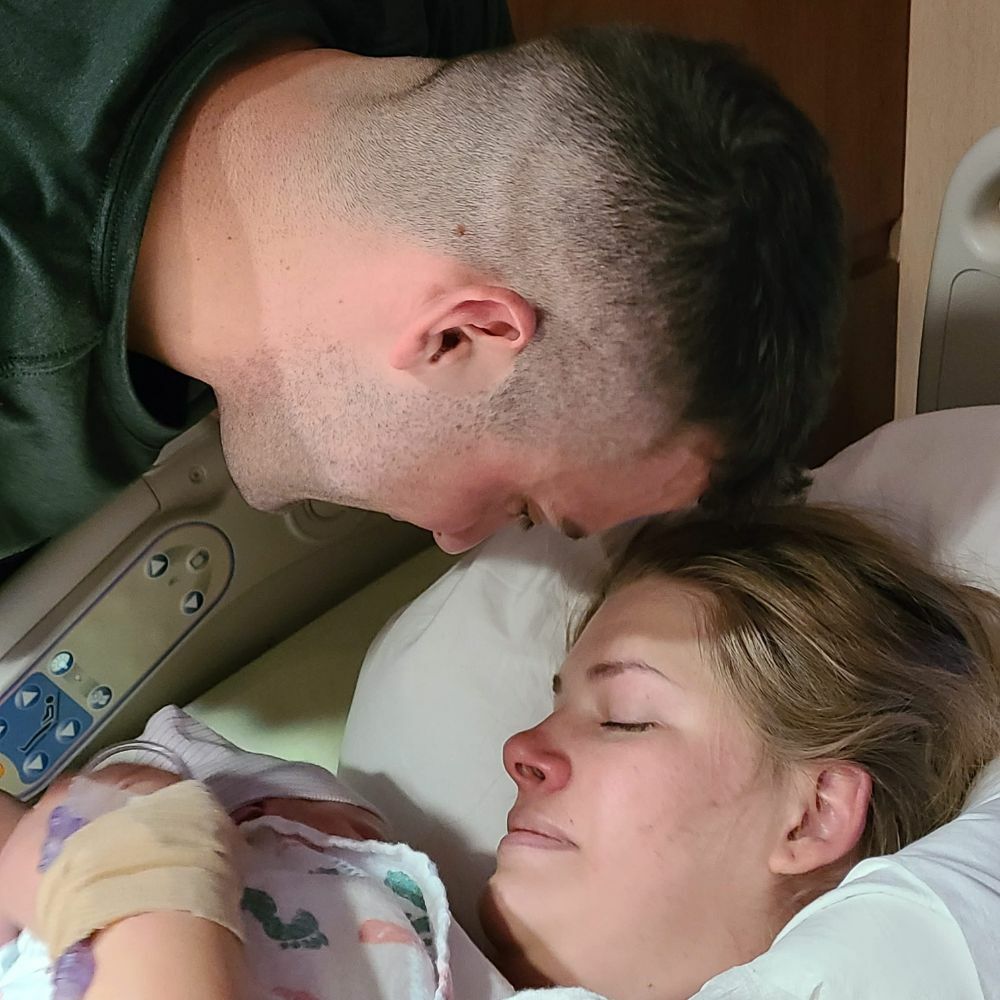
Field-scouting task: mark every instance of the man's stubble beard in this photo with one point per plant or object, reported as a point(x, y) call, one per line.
point(312, 436)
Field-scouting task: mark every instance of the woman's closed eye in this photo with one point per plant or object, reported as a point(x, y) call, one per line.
point(628, 727)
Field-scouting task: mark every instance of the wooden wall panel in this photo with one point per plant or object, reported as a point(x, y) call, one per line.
point(844, 63)
point(863, 395)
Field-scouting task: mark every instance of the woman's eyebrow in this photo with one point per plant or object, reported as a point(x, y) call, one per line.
point(612, 668)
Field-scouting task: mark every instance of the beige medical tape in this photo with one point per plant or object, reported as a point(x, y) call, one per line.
point(171, 850)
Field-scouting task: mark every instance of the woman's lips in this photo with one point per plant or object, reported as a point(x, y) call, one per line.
point(527, 831)
point(529, 838)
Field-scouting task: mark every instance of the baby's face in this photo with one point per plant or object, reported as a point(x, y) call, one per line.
point(20, 853)
point(338, 819)
point(644, 814)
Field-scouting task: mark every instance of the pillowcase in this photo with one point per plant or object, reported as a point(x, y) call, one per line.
point(470, 661)
point(466, 665)
point(934, 479)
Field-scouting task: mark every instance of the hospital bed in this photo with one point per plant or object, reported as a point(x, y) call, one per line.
point(167, 594)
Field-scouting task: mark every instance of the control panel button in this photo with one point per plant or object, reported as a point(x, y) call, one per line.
point(193, 601)
point(27, 696)
point(69, 731)
point(36, 765)
point(61, 663)
point(99, 697)
point(158, 565)
point(197, 560)
point(42, 724)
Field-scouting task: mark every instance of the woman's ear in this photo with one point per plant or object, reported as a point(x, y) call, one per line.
point(828, 815)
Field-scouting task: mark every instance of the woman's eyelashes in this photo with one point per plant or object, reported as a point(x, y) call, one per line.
point(628, 727)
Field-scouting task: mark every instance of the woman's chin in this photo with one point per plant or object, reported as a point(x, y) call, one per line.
point(509, 955)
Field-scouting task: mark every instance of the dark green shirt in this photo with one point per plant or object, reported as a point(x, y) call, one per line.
point(90, 91)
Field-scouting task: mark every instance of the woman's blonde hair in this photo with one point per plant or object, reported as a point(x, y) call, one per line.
point(840, 643)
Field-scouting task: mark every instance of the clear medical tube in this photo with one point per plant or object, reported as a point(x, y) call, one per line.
point(138, 752)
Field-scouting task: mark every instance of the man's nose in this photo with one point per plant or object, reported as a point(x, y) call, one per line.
point(534, 762)
point(469, 538)
point(454, 545)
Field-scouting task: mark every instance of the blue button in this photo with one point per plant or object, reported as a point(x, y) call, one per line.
point(61, 663)
point(69, 731)
point(36, 765)
point(157, 565)
point(192, 603)
point(99, 697)
point(27, 696)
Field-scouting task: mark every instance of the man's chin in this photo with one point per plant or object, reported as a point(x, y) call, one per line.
point(262, 499)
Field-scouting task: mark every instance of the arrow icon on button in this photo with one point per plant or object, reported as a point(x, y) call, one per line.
point(37, 764)
point(157, 565)
point(68, 731)
point(26, 697)
point(192, 602)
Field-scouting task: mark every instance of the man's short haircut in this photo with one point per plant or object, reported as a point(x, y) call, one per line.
point(671, 215)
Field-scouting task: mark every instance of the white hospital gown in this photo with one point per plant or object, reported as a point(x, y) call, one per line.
point(921, 924)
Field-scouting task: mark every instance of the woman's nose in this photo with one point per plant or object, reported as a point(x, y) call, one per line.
point(533, 761)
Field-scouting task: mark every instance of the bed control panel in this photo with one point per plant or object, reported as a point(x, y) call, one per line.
point(78, 680)
point(168, 589)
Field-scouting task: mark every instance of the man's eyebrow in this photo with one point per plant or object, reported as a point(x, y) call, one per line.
point(566, 525)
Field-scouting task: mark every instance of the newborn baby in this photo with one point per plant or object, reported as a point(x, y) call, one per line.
point(329, 908)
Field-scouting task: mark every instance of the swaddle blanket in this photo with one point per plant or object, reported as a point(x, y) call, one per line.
point(325, 918)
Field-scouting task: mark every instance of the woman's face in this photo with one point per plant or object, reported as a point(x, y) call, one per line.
point(637, 858)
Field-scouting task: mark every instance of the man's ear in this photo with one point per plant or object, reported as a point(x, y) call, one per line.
point(480, 329)
point(827, 816)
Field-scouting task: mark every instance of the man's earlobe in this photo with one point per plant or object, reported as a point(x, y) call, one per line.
point(827, 817)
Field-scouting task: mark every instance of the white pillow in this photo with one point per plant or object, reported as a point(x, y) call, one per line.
point(936, 477)
point(466, 665)
point(470, 661)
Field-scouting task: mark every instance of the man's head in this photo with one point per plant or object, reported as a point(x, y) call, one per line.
point(589, 278)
